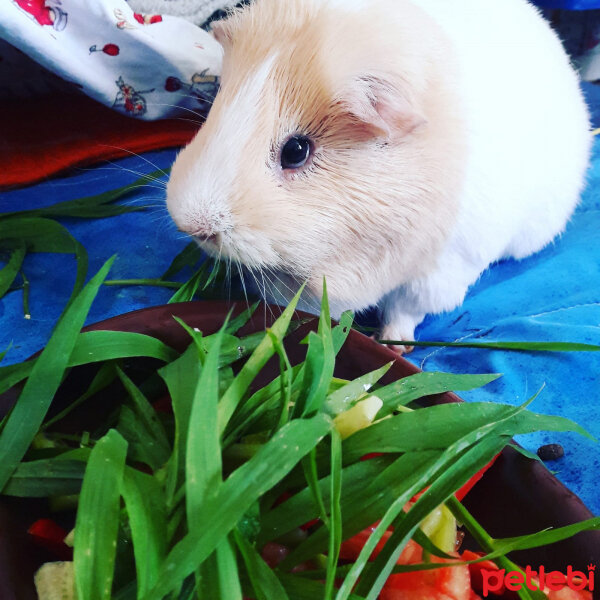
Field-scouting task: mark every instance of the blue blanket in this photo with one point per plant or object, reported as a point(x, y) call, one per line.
point(554, 295)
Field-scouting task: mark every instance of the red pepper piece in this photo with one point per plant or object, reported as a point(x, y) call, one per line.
point(49, 535)
point(466, 488)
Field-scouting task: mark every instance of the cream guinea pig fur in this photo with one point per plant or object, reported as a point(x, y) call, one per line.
point(433, 138)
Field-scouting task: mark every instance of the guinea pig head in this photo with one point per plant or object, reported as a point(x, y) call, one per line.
point(328, 150)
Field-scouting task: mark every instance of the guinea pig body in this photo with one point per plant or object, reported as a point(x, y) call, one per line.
point(396, 147)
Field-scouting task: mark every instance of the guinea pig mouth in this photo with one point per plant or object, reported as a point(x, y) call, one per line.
point(210, 238)
point(212, 244)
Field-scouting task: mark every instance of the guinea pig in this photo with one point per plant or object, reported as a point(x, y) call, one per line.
point(395, 147)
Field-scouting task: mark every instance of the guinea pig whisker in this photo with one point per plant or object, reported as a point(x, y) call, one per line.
point(194, 97)
point(263, 292)
point(228, 277)
point(199, 123)
point(177, 106)
point(139, 174)
point(161, 188)
point(135, 201)
point(239, 268)
point(279, 279)
point(279, 290)
point(262, 274)
point(145, 159)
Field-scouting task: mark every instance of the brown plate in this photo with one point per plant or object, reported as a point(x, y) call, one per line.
point(516, 495)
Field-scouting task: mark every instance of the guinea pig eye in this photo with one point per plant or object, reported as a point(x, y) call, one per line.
point(295, 152)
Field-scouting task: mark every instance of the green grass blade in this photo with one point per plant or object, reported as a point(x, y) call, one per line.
point(197, 337)
point(300, 508)
point(44, 235)
point(263, 579)
point(259, 405)
point(257, 360)
point(442, 425)
point(317, 373)
point(147, 418)
point(218, 577)
point(180, 376)
point(340, 332)
point(335, 513)
point(96, 346)
point(407, 389)
point(309, 466)
point(319, 364)
point(188, 290)
point(188, 257)
point(39, 234)
point(203, 466)
point(95, 546)
point(232, 347)
point(346, 396)
point(218, 267)
point(4, 352)
point(285, 379)
point(514, 346)
point(33, 403)
point(151, 282)
point(139, 425)
point(229, 577)
point(238, 322)
point(425, 542)
point(46, 477)
point(90, 206)
point(145, 504)
point(139, 440)
point(237, 494)
point(9, 272)
point(102, 379)
point(300, 588)
point(545, 537)
point(207, 580)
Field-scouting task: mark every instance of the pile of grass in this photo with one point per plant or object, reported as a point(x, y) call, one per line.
point(179, 506)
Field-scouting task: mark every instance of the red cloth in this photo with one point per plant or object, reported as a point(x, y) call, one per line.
point(47, 135)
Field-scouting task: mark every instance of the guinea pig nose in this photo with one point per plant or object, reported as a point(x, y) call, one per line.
point(206, 236)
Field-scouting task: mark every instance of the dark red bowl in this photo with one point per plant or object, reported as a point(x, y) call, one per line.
point(516, 495)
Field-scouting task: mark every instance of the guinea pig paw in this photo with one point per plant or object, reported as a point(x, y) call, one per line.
point(393, 334)
point(399, 349)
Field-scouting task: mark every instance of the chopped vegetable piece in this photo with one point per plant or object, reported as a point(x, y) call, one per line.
point(51, 536)
point(56, 581)
point(358, 417)
point(446, 583)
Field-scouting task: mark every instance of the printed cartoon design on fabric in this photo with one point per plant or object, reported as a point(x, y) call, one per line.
point(45, 12)
point(124, 23)
point(203, 86)
point(129, 99)
point(110, 49)
point(147, 19)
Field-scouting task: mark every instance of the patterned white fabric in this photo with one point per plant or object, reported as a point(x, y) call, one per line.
point(147, 65)
point(195, 11)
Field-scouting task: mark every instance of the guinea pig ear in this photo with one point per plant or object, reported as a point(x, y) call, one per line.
point(382, 108)
point(221, 31)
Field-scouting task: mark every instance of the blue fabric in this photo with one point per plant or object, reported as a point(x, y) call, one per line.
point(568, 4)
point(554, 295)
point(145, 243)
